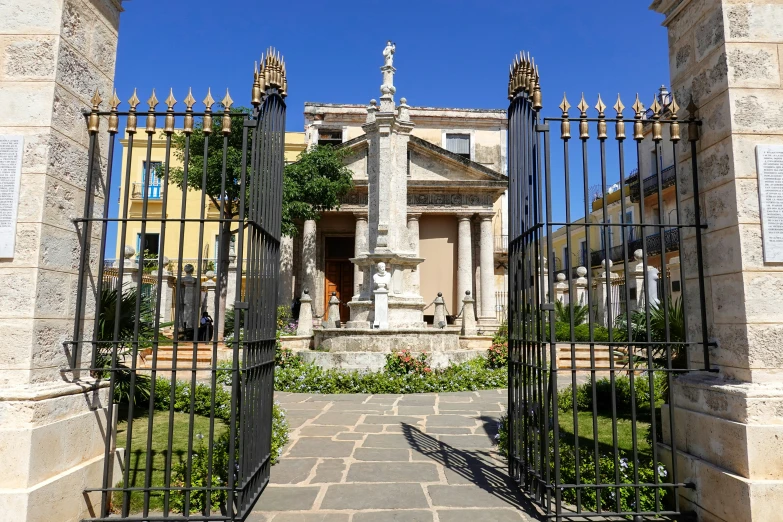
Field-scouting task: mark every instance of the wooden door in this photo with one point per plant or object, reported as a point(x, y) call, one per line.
point(339, 274)
point(339, 278)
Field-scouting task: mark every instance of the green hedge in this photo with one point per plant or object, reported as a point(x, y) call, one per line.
point(603, 392)
point(469, 376)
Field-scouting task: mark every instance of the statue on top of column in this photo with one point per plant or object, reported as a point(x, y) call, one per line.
point(388, 53)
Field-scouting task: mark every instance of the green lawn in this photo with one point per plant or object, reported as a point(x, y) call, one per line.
point(624, 435)
point(137, 459)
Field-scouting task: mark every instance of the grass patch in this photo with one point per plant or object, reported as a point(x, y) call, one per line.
point(605, 439)
point(137, 459)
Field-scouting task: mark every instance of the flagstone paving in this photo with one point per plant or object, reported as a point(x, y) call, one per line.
point(392, 458)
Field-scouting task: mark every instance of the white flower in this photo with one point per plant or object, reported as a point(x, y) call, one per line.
point(662, 471)
point(624, 463)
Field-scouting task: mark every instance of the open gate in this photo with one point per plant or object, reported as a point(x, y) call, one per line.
point(214, 420)
point(594, 344)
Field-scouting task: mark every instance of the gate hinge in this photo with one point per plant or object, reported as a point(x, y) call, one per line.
point(251, 124)
point(543, 127)
point(240, 305)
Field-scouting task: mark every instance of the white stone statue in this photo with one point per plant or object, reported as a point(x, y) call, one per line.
point(382, 278)
point(388, 54)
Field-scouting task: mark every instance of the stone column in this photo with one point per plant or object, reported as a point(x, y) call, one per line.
point(52, 419)
point(130, 270)
point(231, 287)
point(305, 324)
point(464, 256)
point(333, 314)
point(309, 242)
point(725, 56)
point(468, 315)
point(599, 296)
point(440, 311)
point(561, 287)
point(638, 275)
point(360, 246)
point(487, 267)
point(580, 287)
point(414, 283)
point(285, 294)
point(188, 300)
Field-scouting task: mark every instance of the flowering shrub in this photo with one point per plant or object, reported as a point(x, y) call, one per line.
point(403, 362)
point(288, 328)
point(497, 355)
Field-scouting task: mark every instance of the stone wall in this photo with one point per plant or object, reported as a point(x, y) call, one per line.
point(52, 421)
point(726, 56)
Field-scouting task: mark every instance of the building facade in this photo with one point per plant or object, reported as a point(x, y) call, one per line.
point(155, 188)
point(456, 183)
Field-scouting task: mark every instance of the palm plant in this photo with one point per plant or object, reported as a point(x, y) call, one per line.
point(126, 323)
point(563, 313)
point(673, 312)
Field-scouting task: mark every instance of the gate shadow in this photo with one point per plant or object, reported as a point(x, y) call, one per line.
point(476, 466)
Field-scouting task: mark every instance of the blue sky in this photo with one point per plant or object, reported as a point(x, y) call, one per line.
point(451, 53)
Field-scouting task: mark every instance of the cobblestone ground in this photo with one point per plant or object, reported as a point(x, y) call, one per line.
point(383, 458)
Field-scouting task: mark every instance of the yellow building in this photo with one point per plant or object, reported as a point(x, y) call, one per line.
point(151, 244)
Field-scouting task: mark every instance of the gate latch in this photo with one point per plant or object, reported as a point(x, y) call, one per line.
point(549, 307)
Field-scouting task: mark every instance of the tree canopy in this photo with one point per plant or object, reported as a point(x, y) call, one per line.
point(315, 183)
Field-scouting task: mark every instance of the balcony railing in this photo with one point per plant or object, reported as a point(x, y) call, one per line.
point(669, 178)
point(501, 244)
point(653, 241)
point(153, 191)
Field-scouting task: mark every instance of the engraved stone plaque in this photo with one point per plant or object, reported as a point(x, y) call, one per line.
point(769, 160)
point(10, 174)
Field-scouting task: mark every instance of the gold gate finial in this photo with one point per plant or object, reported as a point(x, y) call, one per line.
point(152, 102)
point(656, 116)
point(272, 74)
point(619, 127)
point(130, 125)
point(523, 77)
point(114, 119)
point(638, 126)
point(565, 125)
point(584, 128)
point(226, 123)
point(601, 107)
point(189, 102)
point(93, 122)
point(674, 126)
point(168, 125)
point(206, 127)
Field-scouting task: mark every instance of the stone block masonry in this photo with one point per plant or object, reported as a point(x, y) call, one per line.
point(52, 421)
point(726, 57)
point(372, 458)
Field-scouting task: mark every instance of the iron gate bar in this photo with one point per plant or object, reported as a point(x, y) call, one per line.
point(534, 457)
point(251, 386)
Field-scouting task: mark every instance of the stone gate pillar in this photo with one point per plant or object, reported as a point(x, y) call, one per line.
point(726, 56)
point(52, 420)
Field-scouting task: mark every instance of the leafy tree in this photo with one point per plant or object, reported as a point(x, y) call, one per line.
point(314, 184)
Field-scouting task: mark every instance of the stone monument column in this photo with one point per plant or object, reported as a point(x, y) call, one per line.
point(487, 270)
point(285, 294)
point(360, 246)
point(308, 256)
point(725, 56)
point(464, 256)
point(413, 239)
point(52, 419)
point(388, 132)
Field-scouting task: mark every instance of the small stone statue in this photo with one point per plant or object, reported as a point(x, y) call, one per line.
point(382, 278)
point(388, 53)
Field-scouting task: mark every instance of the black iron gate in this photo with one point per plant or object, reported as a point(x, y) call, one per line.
point(194, 419)
point(594, 351)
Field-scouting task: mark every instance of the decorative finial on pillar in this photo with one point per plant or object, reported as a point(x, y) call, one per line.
point(371, 110)
point(403, 112)
point(388, 89)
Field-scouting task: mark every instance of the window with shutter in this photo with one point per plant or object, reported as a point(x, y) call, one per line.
point(458, 144)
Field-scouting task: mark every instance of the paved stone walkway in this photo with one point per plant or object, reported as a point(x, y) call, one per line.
point(384, 458)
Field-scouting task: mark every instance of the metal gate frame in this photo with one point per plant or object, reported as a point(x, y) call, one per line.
point(535, 447)
point(257, 204)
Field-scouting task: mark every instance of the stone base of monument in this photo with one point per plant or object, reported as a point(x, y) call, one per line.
point(375, 361)
point(427, 340)
point(402, 311)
